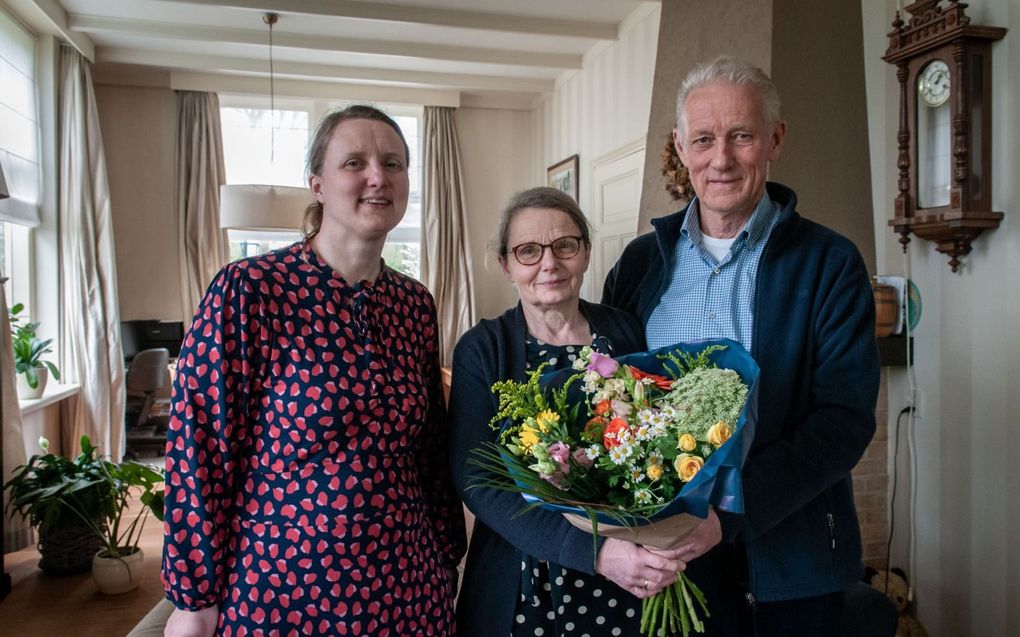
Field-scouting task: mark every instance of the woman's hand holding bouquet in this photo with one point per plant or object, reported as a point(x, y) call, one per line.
point(655, 438)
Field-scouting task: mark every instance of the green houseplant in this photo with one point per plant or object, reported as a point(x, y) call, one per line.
point(29, 349)
point(88, 497)
point(56, 495)
point(116, 567)
point(119, 535)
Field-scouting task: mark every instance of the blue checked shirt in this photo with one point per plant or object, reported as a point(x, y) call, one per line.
point(707, 298)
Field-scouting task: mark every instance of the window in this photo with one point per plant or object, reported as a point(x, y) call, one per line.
point(19, 156)
point(255, 153)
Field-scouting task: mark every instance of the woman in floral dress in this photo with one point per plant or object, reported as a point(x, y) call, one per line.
point(308, 491)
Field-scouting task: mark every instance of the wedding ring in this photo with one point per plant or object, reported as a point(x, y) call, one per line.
point(644, 584)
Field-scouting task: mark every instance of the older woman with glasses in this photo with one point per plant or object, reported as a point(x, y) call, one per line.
point(532, 573)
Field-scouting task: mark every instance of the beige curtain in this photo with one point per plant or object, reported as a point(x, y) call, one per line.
point(200, 173)
point(446, 252)
point(17, 533)
point(88, 274)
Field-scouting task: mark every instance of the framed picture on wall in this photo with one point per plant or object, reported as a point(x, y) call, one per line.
point(563, 176)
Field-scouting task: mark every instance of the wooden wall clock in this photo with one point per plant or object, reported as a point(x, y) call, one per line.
point(944, 65)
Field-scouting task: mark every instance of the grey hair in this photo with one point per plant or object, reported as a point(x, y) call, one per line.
point(726, 68)
point(541, 197)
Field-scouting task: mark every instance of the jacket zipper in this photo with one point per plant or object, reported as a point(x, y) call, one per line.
point(832, 530)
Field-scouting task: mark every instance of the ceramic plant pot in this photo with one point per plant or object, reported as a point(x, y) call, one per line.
point(116, 575)
point(25, 391)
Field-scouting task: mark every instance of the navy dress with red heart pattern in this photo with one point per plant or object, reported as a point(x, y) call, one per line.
point(307, 486)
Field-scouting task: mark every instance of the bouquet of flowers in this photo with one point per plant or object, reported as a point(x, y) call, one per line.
point(631, 443)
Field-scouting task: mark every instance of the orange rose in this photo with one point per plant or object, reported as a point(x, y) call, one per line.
point(719, 433)
point(686, 443)
point(687, 466)
point(611, 434)
point(593, 429)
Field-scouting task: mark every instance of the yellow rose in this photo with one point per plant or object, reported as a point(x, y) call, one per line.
point(719, 433)
point(654, 472)
point(686, 443)
point(547, 419)
point(528, 436)
point(687, 466)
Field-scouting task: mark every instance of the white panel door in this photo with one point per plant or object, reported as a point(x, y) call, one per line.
point(616, 197)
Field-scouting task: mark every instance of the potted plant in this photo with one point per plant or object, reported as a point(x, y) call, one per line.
point(57, 495)
point(28, 350)
point(117, 564)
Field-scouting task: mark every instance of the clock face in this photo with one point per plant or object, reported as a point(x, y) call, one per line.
point(933, 84)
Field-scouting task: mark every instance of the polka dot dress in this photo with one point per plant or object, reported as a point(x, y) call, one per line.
point(556, 601)
point(306, 483)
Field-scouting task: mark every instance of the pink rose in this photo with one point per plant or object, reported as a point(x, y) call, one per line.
point(560, 452)
point(581, 458)
point(603, 365)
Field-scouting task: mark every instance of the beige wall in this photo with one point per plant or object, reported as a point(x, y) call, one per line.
point(967, 354)
point(600, 108)
point(139, 132)
point(495, 148)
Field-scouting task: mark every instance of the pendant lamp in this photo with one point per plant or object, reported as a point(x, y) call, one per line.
point(261, 206)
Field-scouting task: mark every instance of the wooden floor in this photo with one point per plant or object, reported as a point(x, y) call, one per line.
point(41, 605)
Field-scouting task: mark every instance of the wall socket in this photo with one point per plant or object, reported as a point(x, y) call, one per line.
point(920, 401)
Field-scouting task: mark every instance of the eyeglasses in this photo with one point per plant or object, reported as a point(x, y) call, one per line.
point(532, 253)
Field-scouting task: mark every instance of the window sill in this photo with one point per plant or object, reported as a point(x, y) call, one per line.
point(54, 394)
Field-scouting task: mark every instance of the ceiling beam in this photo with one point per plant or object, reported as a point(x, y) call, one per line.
point(188, 81)
point(47, 16)
point(181, 31)
point(207, 63)
point(360, 9)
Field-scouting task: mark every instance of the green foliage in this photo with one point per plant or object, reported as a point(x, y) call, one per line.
point(51, 491)
point(29, 348)
point(520, 401)
point(119, 537)
point(678, 364)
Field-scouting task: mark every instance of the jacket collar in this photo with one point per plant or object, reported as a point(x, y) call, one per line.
point(667, 229)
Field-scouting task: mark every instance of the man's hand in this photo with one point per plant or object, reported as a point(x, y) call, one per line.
point(192, 623)
point(696, 543)
point(636, 569)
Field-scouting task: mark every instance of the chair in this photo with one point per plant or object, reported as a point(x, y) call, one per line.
point(146, 375)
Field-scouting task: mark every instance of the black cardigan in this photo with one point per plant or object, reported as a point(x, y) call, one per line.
point(494, 350)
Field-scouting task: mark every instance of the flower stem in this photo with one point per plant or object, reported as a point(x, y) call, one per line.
point(672, 610)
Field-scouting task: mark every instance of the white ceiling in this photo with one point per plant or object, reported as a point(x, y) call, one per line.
point(489, 52)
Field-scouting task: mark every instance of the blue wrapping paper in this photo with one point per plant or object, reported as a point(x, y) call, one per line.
point(718, 483)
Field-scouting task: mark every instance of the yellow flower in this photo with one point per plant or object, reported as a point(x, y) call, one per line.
point(686, 443)
point(547, 419)
point(528, 436)
point(719, 433)
point(687, 466)
point(654, 472)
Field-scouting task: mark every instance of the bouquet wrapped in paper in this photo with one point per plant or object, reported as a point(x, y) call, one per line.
point(637, 447)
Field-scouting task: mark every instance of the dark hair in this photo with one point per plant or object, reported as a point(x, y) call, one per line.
point(541, 197)
point(320, 144)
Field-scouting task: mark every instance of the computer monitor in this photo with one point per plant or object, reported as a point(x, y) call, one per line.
point(140, 335)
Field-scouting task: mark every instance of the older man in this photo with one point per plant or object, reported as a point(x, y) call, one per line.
point(739, 262)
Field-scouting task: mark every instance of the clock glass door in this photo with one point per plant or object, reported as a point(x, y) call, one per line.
point(933, 135)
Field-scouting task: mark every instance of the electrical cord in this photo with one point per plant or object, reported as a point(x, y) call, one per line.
point(892, 498)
